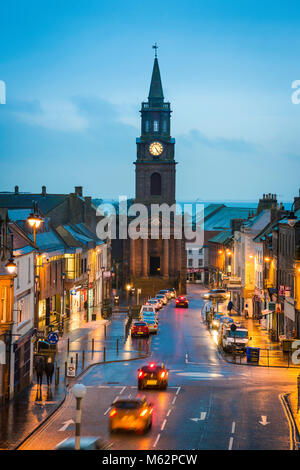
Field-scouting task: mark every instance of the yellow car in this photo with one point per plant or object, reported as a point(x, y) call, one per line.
point(131, 414)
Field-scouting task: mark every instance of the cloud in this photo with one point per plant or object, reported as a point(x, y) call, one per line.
point(219, 143)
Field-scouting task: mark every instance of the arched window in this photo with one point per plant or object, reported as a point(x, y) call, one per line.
point(155, 184)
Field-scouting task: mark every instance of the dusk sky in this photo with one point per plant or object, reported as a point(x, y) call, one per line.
point(76, 73)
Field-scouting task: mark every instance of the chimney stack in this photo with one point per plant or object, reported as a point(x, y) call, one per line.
point(78, 190)
point(16, 189)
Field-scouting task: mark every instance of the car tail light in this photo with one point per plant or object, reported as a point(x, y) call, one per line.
point(144, 412)
point(113, 413)
point(162, 375)
point(152, 365)
point(141, 374)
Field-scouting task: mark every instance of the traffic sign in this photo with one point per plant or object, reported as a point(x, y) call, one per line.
point(40, 334)
point(53, 337)
point(71, 371)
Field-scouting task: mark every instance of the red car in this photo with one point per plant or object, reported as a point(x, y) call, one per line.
point(182, 301)
point(139, 328)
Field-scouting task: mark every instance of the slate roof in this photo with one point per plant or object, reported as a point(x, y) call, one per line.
point(221, 219)
point(24, 200)
point(221, 237)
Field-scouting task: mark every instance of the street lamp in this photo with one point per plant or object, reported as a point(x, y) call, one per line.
point(11, 266)
point(102, 289)
point(34, 220)
point(292, 219)
point(79, 391)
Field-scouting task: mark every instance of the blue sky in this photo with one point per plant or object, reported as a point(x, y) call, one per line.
point(76, 73)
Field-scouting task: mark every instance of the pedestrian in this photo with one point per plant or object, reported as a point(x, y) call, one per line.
point(86, 307)
point(39, 368)
point(229, 307)
point(49, 369)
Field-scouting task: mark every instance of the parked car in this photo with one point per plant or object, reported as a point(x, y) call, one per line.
point(131, 414)
point(221, 294)
point(159, 300)
point(163, 297)
point(166, 292)
point(172, 292)
point(155, 303)
point(140, 328)
point(182, 301)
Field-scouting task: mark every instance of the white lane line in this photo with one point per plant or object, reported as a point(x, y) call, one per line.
point(174, 399)
point(163, 425)
point(156, 441)
point(178, 390)
point(203, 415)
point(230, 443)
point(169, 412)
point(117, 398)
point(124, 388)
point(186, 358)
point(107, 411)
point(233, 427)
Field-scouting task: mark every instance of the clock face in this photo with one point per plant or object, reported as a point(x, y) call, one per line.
point(156, 148)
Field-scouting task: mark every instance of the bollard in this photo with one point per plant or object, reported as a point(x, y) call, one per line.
point(105, 331)
point(140, 349)
point(117, 345)
point(66, 365)
point(93, 346)
point(68, 345)
point(57, 375)
point(76, 361)
point(83, 359)
point(104, 354)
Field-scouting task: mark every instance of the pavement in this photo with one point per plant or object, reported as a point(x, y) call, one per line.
point(209, 403)
point(31, 407)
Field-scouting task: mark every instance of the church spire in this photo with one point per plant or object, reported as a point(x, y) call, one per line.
point(156, 91)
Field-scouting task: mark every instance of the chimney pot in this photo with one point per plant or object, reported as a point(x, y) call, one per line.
point(16, 189)
point(43, 190)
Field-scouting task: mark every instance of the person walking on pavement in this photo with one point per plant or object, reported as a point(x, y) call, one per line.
point(49, 369)
point(39, 368)
point(229, 307)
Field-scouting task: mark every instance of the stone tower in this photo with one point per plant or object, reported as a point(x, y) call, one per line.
point(154, 264)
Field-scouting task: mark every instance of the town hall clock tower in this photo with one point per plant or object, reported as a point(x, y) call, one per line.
point(155, 164)
point(154, 264)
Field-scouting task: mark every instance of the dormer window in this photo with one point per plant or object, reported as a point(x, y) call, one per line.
point(155, 126)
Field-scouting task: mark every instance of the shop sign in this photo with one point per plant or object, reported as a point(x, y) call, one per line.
point(73, 291)
point(281, 290)
point(71, 369)
point(289, 309)
point(107, 274)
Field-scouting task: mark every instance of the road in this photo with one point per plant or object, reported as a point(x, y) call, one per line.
point(209, 403)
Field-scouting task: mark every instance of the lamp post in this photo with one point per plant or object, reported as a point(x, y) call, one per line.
point(79, 391)
point(87, 292)
point(102, 290)
point(292, 219)
point(63, 277)
point(10, 265)
point(34, 221)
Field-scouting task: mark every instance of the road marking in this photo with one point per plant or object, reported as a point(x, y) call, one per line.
point(186, 358)
point(156, 441)
point(163, 425)
point(174, 399)
point(230, 443)
point(66, 424)
point(233, 427)
point(107, 411)
point(116, 399)
point(264, 421)
point(200, 375)
point(169, 412)
point(290, 420)
point(203, 415)
point(124, 388)
point(178, 390)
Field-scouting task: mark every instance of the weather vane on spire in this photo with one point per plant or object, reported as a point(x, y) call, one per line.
point(155, 47)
